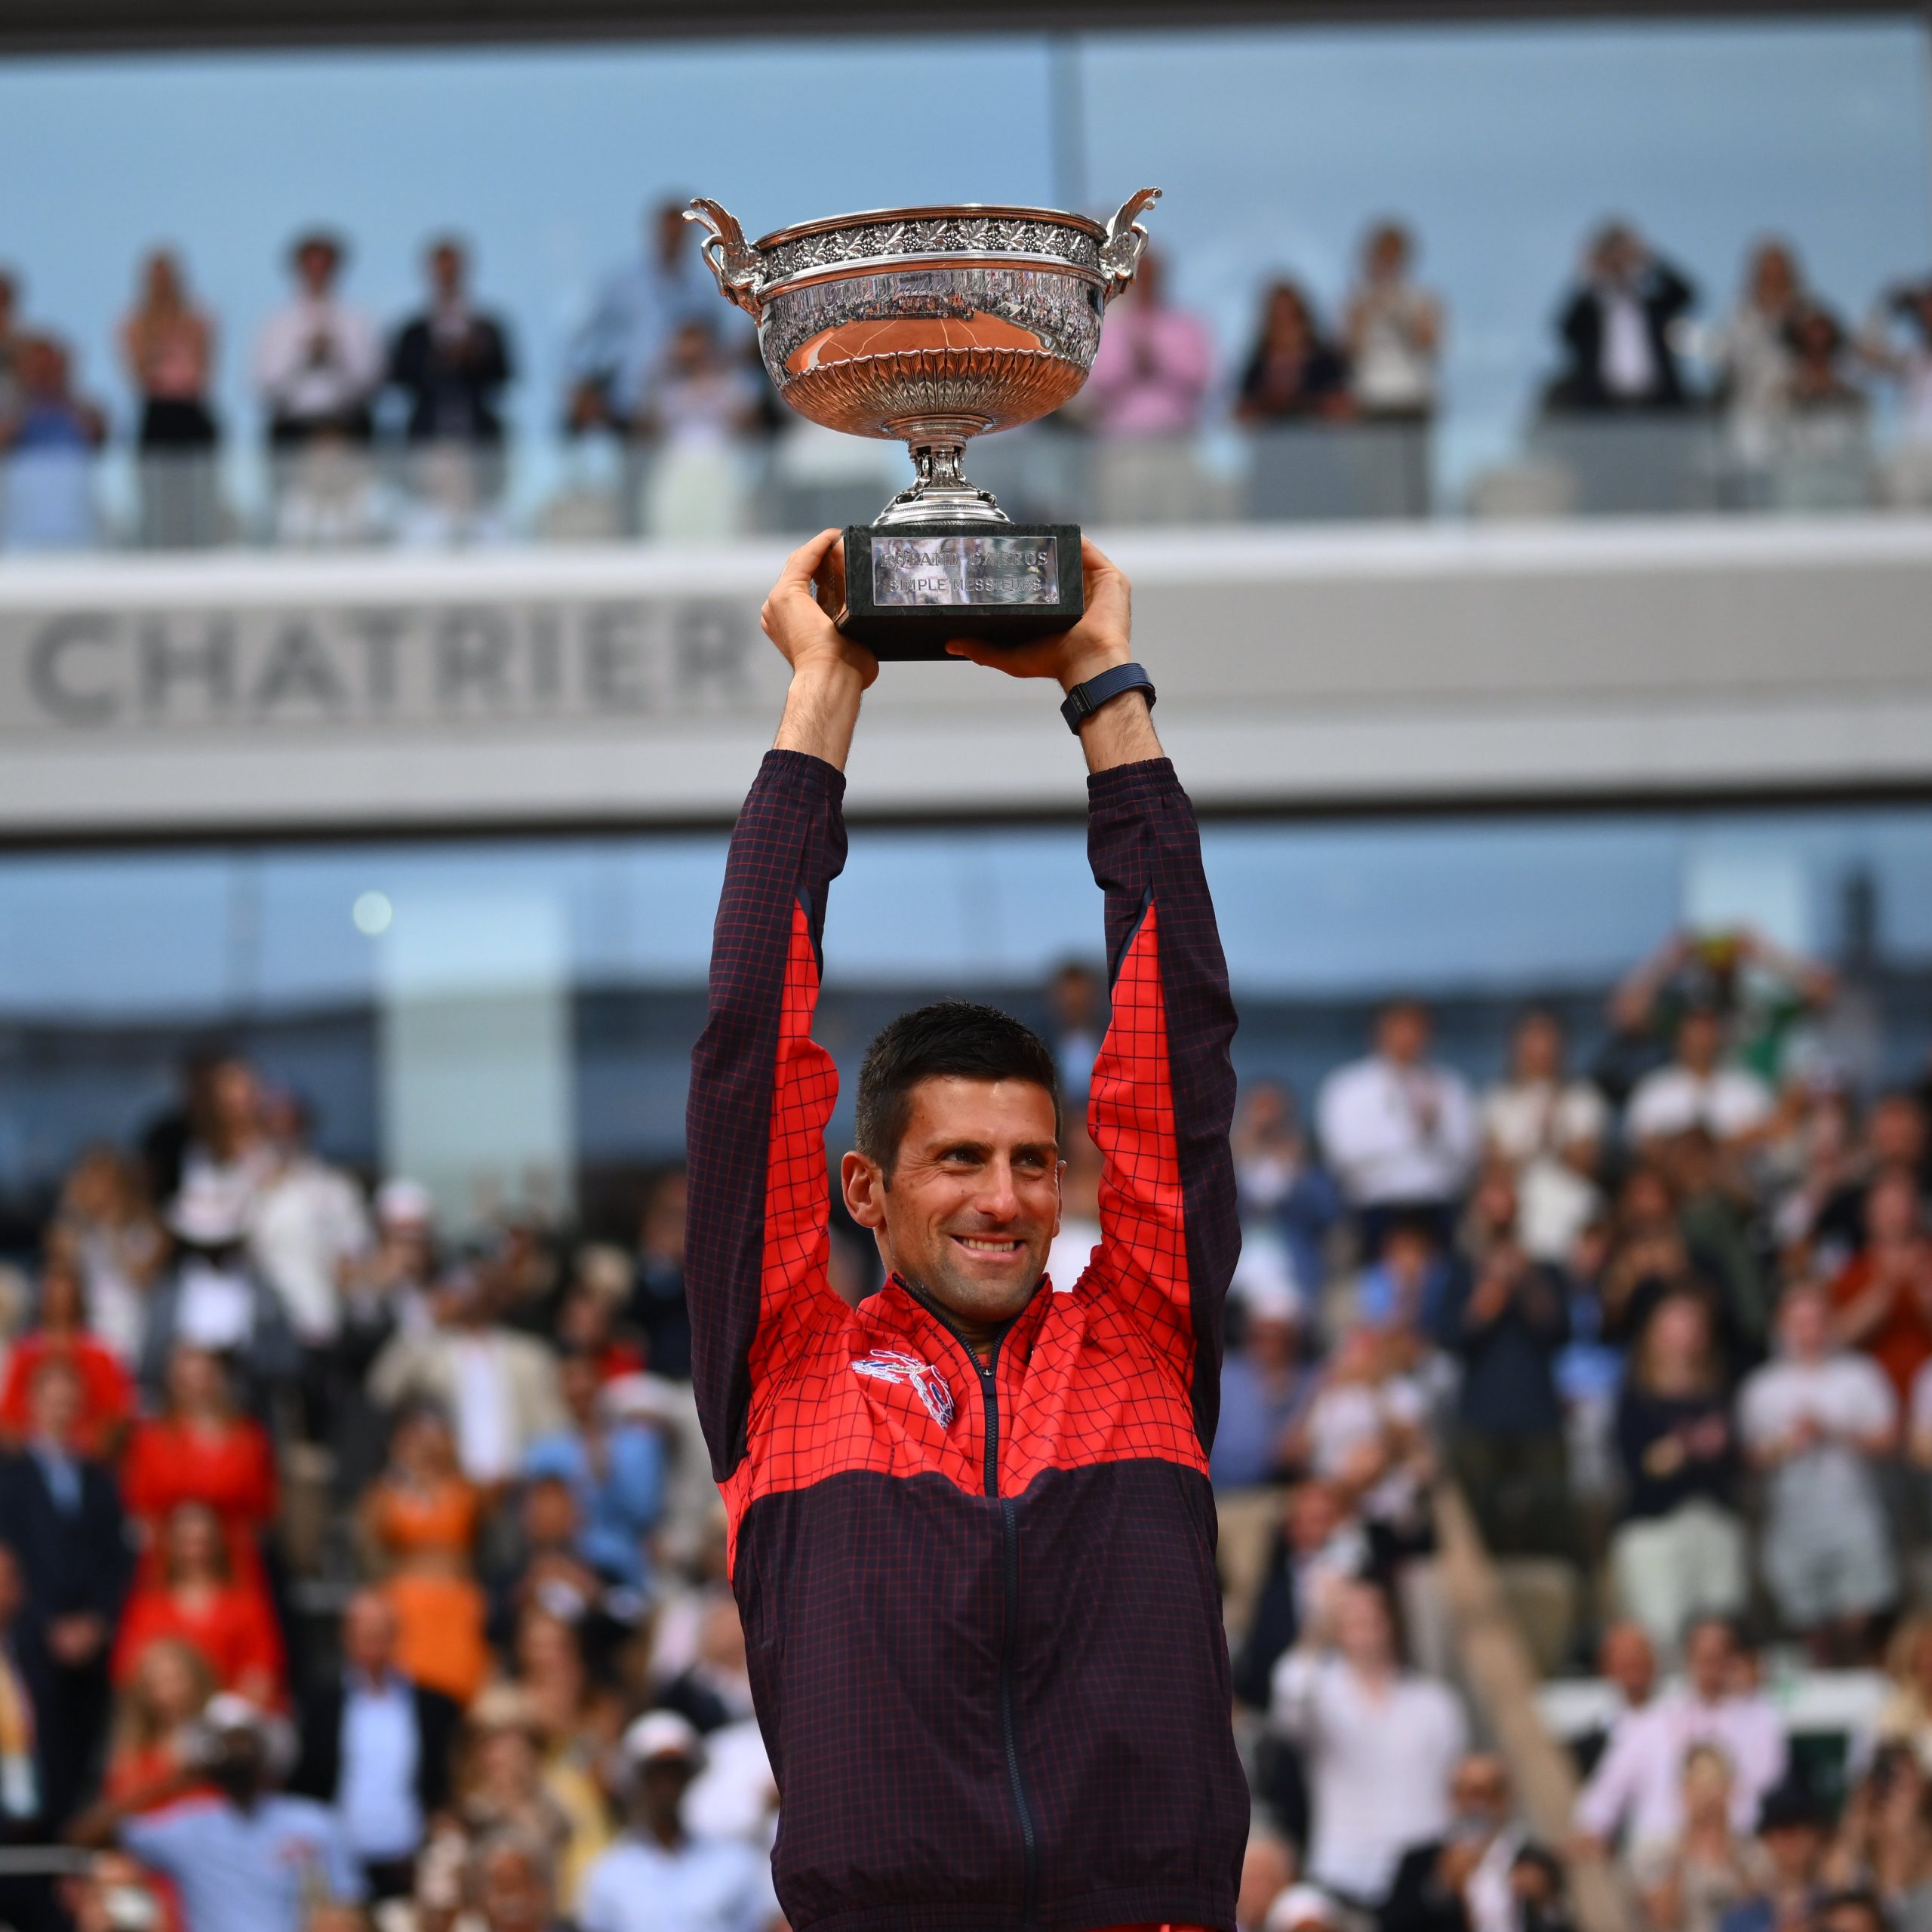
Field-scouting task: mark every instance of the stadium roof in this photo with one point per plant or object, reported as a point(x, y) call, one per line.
point(104, 26)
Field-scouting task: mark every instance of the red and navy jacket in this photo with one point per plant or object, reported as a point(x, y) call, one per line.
point(979, 1602)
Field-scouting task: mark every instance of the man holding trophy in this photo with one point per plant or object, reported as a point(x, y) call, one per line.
point(972, 1535)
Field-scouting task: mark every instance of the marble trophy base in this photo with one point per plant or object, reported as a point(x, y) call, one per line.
point(910, 589)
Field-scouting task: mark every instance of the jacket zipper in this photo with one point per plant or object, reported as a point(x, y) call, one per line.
point(1009, 1529)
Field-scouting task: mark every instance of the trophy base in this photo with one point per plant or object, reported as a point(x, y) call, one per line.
point(909, 592)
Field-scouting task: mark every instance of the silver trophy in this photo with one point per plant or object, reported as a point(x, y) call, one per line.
point(930, 326)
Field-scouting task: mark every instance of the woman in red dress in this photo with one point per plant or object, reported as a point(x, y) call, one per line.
point(192, 1594)
point(149, 1761)
point(200, 1450)
point(107, 1394)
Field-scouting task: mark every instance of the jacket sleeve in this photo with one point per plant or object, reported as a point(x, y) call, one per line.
point(761, 1094)
point(1163, 1092)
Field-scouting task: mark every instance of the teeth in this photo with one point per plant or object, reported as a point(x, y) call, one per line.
point(987, 1246)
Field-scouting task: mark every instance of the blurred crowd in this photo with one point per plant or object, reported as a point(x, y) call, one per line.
point(663, 367)
point(352, 1575)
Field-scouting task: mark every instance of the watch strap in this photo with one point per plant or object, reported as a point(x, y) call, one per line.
point(1085, 699)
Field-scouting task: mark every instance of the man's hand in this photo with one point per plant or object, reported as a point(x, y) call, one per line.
point(1121, 732)
point(830, 672)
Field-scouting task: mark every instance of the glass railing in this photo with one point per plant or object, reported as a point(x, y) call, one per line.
point(593, 489)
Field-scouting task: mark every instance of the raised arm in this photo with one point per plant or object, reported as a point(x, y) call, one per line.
point(1163, 1093)
point(762, 1089)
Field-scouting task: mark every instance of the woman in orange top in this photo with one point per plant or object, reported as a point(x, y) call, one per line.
point(1883, 1298)
point(196, 1598)
point(201, 1451)
point(107, 1394)
point(147, 1764)
point(419, 1518)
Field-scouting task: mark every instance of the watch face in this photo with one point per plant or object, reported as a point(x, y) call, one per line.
point(912, 570)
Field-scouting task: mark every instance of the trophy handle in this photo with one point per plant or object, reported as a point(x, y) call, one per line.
point(731, 259)
point(1126, 242)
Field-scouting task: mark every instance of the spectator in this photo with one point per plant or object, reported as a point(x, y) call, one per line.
point(579, 1721)
point(318, 362)
point(498, 1387)
point(1460, 1880)
point(1151, 371)
point(1884, 1848)
point(1076, 1006)
point(1897, 340)
point(199, 1450)
point(1627, 1663)
point(1905, 1717)
point(452, 361)
point(1791, 1843)
point(1292, 372)
point(62, 1333)
point(247, 1859)
point(1679, 1550)
point(1894, 1136)
point(1393, 332)
point(1731, 1104)
point(48, 437)
point(1882, 1299)
point(1751, 352)
point(105, 1228)
point(150, 1761)
point(190, 1591)
point(1718, 1210)
point(621, 350)
point(1618, 328)
point(168, 345)
point(61, 1516)
point(1282, 1187)
point(697, 406)
point(503, 1786)
point(421, 1519)
point(614, 1469)
point(210, 1297)
point(657, 1309)
point(112, 1893)
point(307, 1229)
point(1379, 1743)
point(1265, 1386)
point(714, 1689)
point(512, 1884)
point(1821, 383)
point(378, 1748)
point(1690, 1885)
point(1637, 1788)
point(1367, 1430)
point(656, 1874)
point(22, 1779)
point(1817, 1421)
point(1504, 1317)
point(1399, 1131)
point(1320, 1543)
point(1403, 1289)
point(1550, 1129)
point(1648, 1257)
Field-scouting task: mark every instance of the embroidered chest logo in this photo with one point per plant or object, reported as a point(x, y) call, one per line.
point(896, 1365)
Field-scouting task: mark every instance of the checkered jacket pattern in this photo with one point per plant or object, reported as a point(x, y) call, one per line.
point(979, 1602)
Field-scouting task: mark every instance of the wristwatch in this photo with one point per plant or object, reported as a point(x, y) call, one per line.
point(1085, 699)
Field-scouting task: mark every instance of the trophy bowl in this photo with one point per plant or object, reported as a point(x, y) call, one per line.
point(931, 326)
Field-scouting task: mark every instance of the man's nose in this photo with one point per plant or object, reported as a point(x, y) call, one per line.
point(998, 1197)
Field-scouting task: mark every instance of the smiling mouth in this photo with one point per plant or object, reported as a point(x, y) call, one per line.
point(997, 1247)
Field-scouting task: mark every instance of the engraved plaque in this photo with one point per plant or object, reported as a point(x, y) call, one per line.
point(939, 570)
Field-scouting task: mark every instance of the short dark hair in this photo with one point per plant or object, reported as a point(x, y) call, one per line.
point(951, 1039)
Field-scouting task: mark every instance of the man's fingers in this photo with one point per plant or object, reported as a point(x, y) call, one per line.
point(801, 566)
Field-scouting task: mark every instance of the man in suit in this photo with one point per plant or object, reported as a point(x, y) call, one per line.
point(1617, 328)
point(60, 1514)
point(377, 1748)
point(500, 1389)
point(452, 361)
point(1461, 1882)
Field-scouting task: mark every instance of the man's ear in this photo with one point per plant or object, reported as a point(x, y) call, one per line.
point(864, 1182)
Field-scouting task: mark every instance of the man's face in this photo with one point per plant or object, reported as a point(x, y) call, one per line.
point(511, 1892)
point(1700, 1040)
point(1793, 1850)
point(1479, 1788)
point(972, 1203)
point(1403, 1035)
point(55, 1403)
point(1707, 1658)
point(1628, 1662)
point(316, 266)
point(446, 272)
point(368, 1635)
point(1896, 1133)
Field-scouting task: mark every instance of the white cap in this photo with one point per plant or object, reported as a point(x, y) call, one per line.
point(1298, 1905)
point(227, 1711)
point(663, 1735)
point(406, 1202)
point(641, 1397)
